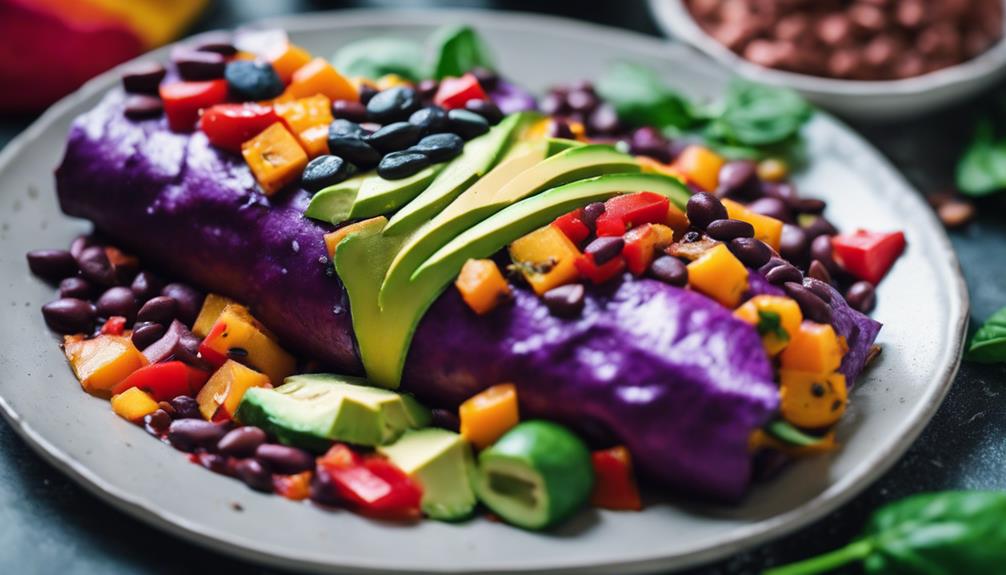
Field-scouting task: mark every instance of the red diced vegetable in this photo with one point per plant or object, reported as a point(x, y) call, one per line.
point(572, 225)
point(296, 487)
point(598, 274)
point(115, 325)
point(609, 225)
point(214, 357)
point(183, 100)
point(371, 485)
point(164, 381)
point(640, 247)
point(614, 484)
point(229, 125)
point(456, 92)
point(639, 208)
point(868, 255)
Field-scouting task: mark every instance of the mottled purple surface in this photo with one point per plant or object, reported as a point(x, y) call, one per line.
point(664, 370)
point(511, 98)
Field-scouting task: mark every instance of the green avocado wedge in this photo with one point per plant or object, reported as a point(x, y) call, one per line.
point(378, 196)
point(334, 203)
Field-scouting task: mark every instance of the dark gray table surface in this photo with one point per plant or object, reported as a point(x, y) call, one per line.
point(49, 524)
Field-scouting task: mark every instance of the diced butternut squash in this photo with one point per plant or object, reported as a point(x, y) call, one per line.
point(546, 258)
point(482, 286)
point(213, 305)
point(776, 318)
point(288, 61)
point(766, 229)
point(332, 239)
point(814, 347)
point(641, 246)
point(133, 404)
point(719, 275)
point(275, 157)
point(701, 166)
point(218, 400)
point(811, 400)
point(773, 170)
point(486, 416)
point(236, 335)
point(308, 119)
point(319, 77)
point(102, 362)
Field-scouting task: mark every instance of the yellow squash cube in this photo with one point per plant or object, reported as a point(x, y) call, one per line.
point(811, 400)
point(213, 306)
point(482, 286)
point(218, 400)
point(275, 157)
point(236, 329)
point(776, 318)
point(486, 416)
point(308, 119)
point(766, 229)
point(546, 257)
point(133, 404)
point(701, 166)
point(102, 362)
point(813, 347)
point(719, 275)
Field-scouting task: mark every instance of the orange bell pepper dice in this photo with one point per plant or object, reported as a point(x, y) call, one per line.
point(133, 404)
point(102, 362)
point(213, 306)
point(766, 228)
point(719, 275)
point(218, 400)
point(814, 347)
point(812, 400)
point(482, 286)
point(288, 60)
point(777, 319)
point(319, 77)
point(486, 416)
point(546, 258)
point(701, 166)
point(237, 335)
point(308, 119)
point(275, 157)
point(614, 484)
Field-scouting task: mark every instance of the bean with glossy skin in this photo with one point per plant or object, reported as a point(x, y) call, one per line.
point(604, 120)
point(784, 191)
point(324, 171)
point(349, 110)
point(604, 249)
point(670, 270)
point(194, 65)
point(367, 92)
point(584, 101)
point(76, 287)
point(117, 301)
point(440, 147)
point(146, 334)
point(818, 271)
point(783, 273)
point(704, 208)
point(648, 141)
point(283, 458)
point(157, 423)
point(139, 107)
point(466, 124)
point(222, 43)
point(431, 119)
point(813, 307)
point(818, 288)
point(735, 177)
point(559, 128)
point(52, 265)
point(793, 244)
point(354, 150)
point(809, 205)
point(143, 78)
point(188, 299)
point(820, 249)
point(95, 266)
point(591, 212)
point(393, 104)
point(862, 296)
point(398, 165)
point(820, 226)
point(252, 80)
point(161, 309)
point(254, 475)
point(241, 442)
point(186, 407)
point(751, 252)
point(485, 108)
point(427, 88)
point(565, 301)
point(190, 434)
point(146, 285)
point(394, 137)
point(445, 419)
point(726, 230)
point(69, 316)
point(773, 208)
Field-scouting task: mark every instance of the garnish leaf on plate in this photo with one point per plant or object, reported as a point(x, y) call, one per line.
point(376, 57)
point(641, 98)
point(989, 343)
point(756, 115)
point(982, 169)
point(457, 50)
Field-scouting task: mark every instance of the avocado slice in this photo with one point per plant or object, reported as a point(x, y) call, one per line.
point(334, 203)
point(312, 410)
point(378, 196)
point(364, 257)
point(524, 172)
point(441, 461)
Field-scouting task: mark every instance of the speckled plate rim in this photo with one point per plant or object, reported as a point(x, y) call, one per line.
point(838, 493)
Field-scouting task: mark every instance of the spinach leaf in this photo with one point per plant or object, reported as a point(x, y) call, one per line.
point(989, 343)
point(771, 322)
point(929, 534)
point(376, 57)
point(982, 168)
point(456, 50)
point(756, 115)
point(642, 99)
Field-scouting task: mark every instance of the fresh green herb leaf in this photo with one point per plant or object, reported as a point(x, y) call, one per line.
point(989, 343)
point(771, 322)
point(933, 533)
point(756, 115)
point(456, 50)
point(982, 169)
point(376, 57)
point(785, 431)
point(642, 99)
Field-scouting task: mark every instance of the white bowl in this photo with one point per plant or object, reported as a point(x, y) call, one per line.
point(854, 99)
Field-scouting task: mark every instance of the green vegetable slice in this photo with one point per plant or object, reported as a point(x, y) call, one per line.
point(982, 169)
point(456, 50)
point(989, 343)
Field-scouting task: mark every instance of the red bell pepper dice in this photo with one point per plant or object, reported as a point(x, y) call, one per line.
point(640, 248)
point(115, 325)
point(868, 255)
point(229, 125)
point(456, 92)
point(214, 357)
point(639, 208)
point(598, 274)
point(183, 100)
point(372, 485)
point(164, 381)
point(609, 225)
point(614, 485)
point(572, 225)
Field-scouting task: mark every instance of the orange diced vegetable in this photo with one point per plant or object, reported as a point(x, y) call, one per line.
point(102, 362)
point(486, 416)
point(288, 61)
point(814, 348)
point(482, 286)
point(308, 119)
point(772, 170)
point(332, 239)
point(133, 404)
point(766, 228)
point(319, 77)
point(701, 166)
point(776, 318)
point(213, 305)
point(811, 400)
point(546, 258)
point(236, 335)
point(218, 400)
point(719, 275)
point(653, 166)
point(275, 157)
point(614, 484)
point(677, 220)
point(296, 487)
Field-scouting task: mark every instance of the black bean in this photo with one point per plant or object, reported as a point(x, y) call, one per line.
point(726, 230)
point(393, 104)
point(818, 288)
point(773, 262)
point(445, 418)
point(605, 249)
point(783, 273)
point(190, 434)
point(487, 78)
point(751, 252)
point(485, 108)
point(241, 442)
point(350, 110)
point(117, 301)
point(146, 285)
point(784, 191)
point(80, 243)
point(604, 120)
point(704, 208)
point(254, 475)
point(862, 296)
point(565, 300)
point(648, 141)
point(820, 249)
point(325, 171)
point(69, 315)
point(76, 287)
point(773, 208)
point(161, 309)
point(735, 177)
point(52, 265)
point(427, 88)
point(440, 147)
point(813, 307)
point(157, 423)
point(143, 77)
point(670, 270)
point(366, 93)
point(818, 271)
point(145, 334)
point(584, 101)
point(215, 463)
point(186, 407)
point(809, 205)
point(793, 244)
point(559, 128)
point(466, 124)
point(430, 119)
point(196, 65)
point(188, 299)
point(95, 266)
point(252, 80)
point(394, 137)
point(591, 212)
point(354, 150)
point(220, 42)
point(343, 128)
point(186, 349)
point(554, 103)
point(398, 165)
point(284, 459)
point(820, 226)
point(140, 106)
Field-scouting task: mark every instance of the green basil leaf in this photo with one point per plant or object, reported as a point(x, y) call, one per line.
point(982, 168)
point(457, 50)
point(989, 343)
point(376, 57)
point(756, 115)
point(642, 99)
point(771, 322)
point(785, 431)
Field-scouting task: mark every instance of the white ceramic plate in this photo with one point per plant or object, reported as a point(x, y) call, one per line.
point(923, 302)
point(864, 100)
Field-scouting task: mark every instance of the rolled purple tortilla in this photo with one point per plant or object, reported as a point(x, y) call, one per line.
point(664, 370)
